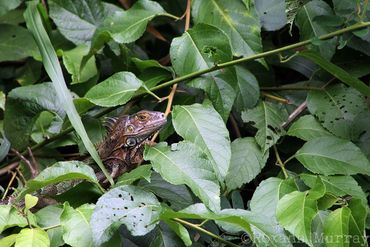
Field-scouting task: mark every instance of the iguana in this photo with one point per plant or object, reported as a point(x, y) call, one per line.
point(120, 151)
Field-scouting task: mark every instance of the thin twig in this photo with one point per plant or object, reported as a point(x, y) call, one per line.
point(295, 114)
point(14, 174)
point(26, 161)
point(8, 168)
point(21, 175)
point(235, 126)
point(34, 162)
point(276, 98)
point(187, 15)
point(280, 162)
point(200, 229)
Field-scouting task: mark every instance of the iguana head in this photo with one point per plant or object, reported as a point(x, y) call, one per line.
point(130, 131)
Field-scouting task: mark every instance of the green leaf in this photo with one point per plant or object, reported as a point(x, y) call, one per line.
point(247, 90)
point(337, 109)
point(338, 72)
point(295, 212)
point(246, 163)
point(137, 209)
point(126, 26)
point(337, 185)
point(52, 67)
point(185, 164)
point(30, 201)
point(166, 237)
point(49, 217)
point(332, 155)
point(6, 5)
point(8, 241)
point(23, 106)
point(239, 23)
point(143, 171)
point(75, 224)
point(4, 148)
point(77, 20)
point(203, 126)
point(178, 196)
point(29, 73)
point(201, 47)
point(265, 197)
point(271, 13)
point(309, 27)
point(307, 128)
point(34, 237)
point(10, 217)
point(262, 232)
point(336, 226)
point(72, 61)
point(16, 43)
point(268, 119)
point(59, 172)
point(116, 90)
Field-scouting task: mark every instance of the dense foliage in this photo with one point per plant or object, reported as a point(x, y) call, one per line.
point(268, 135)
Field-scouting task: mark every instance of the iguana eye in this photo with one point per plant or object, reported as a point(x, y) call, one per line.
point(130, 129)
point(142, 117)
point(130, 142)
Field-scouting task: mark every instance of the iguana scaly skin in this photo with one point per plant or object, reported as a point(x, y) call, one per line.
point(120, 151)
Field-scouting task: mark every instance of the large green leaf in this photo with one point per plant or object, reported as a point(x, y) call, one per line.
point(295, 212)
point(268, 119)
point(16, 43)
point(201, 47)
point(75, 224)
point(264, 233)
point(203, 126)
point(336, 108)
point(337, 185)
point(337, 72)
point(59, 172)
point(10, 217)
point(72, 61)
point(332, 155)
point(266, 197)
point(247, 90)
point(179, 196)
point(247, 161)
point(137, 209)
point(143, 171)
point(336, 225)
point(271, 13)
point(23, 106)
point(307, 128)
point(48, 217)
point(34, 237)
point(6, 5)
point(184, 164)
point(241, 24)
point(77, 20)
point(126, 26)
point(310, 27)
point(52, 67)
point(116, 90)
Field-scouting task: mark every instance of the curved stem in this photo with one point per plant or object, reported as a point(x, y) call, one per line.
point(280, 162)
point(200, 229)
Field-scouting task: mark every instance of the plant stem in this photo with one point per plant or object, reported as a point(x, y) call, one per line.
point(51, 227)
point(200, 229)
point(214, 68)
point(279, 161)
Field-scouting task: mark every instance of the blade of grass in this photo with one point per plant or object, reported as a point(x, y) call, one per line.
point(52, 67)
